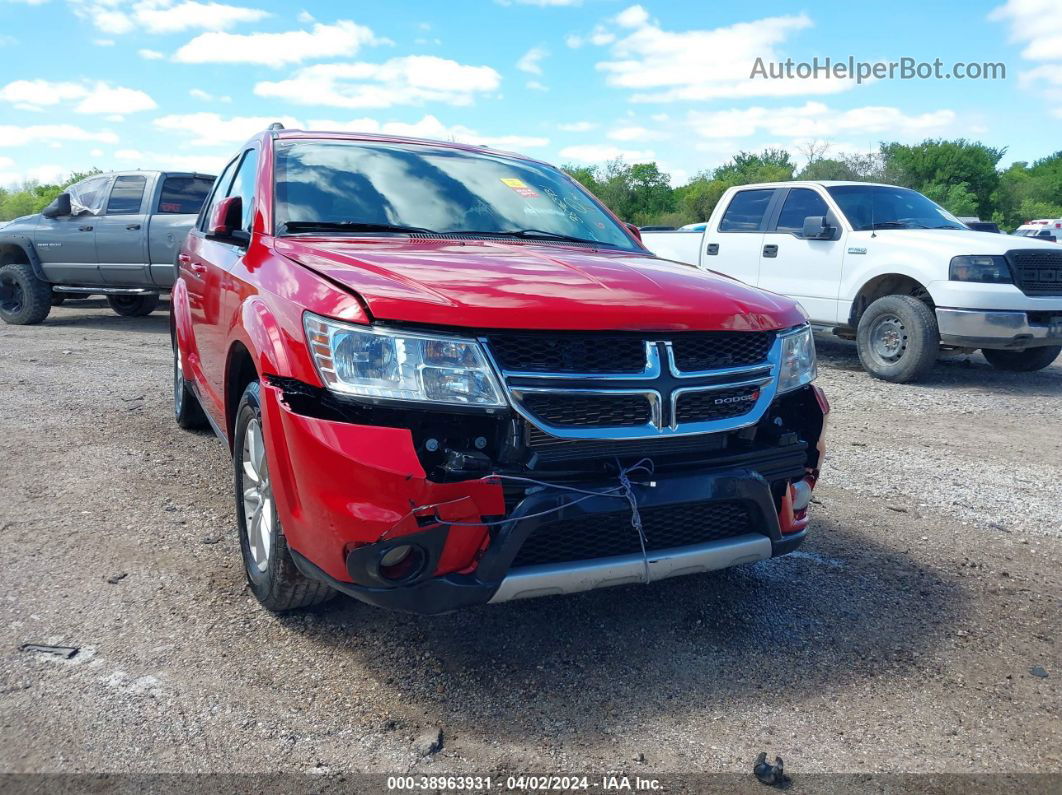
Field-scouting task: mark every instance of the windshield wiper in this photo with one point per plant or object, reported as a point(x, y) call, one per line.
point(350, 226)
point(533, 234)
point(898, 225)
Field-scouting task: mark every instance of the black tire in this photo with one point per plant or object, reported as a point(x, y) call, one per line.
point(134, 305)
point(24, 299)
point(273, 577)
point(897, 339)
point(186, 408)
point(1026, 361)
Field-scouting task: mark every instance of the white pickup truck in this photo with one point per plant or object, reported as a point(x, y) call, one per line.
point(887, 267)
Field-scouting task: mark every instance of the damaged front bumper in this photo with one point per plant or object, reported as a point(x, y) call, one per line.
point(350, 494)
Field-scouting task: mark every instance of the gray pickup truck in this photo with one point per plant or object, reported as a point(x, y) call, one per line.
point(111, 234)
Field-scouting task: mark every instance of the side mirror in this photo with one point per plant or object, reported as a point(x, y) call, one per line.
point(635, 231)
point(816, 228)
point(225, 219)
point(60, 205)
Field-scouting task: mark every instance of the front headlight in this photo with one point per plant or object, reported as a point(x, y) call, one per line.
point(378, 363)
point(797, 366)
point(992, 270)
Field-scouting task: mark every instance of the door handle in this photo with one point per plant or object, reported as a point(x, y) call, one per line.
point(197, 267)
point(84, 229)
point(770, 250)
point(713, 248)
point(132, 227)
point(183, 259)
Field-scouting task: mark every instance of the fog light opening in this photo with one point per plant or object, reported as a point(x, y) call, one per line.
point(801, 491)
point(402, 562)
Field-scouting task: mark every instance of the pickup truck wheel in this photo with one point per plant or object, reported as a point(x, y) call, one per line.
point(186, 409)
point(24, 299)
point(271, 573)
point(1026, 361)
point(133, 305)
point(897, 339)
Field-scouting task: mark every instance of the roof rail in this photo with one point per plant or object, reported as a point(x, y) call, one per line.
point(276, 126)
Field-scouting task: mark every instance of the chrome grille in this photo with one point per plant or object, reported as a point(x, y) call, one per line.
point(634, 388)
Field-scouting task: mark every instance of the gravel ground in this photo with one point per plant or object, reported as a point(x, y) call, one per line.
point(915, 632)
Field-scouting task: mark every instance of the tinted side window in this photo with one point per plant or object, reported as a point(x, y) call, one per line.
point(184, 195)
point(126, 195)
point(746, 211)
point(799, 204)
point(221, 189)
point(243, 186)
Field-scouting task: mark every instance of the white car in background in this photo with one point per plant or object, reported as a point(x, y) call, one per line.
point(887, 267)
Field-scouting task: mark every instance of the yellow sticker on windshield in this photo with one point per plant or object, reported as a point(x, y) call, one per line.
point(514, 183)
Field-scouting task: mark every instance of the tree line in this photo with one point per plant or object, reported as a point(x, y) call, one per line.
point(962, 176)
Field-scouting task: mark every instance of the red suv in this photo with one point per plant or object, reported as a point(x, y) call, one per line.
point(450, 376)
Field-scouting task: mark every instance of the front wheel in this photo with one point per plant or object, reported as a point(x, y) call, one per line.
point(24, 299)
point(897, 339)
point(271, 573)
point(133, 305)
point(1027, 361)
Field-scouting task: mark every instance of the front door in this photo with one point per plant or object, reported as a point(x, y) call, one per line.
point(67, 245)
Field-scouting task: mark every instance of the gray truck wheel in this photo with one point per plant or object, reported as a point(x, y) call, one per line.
point(1027, 361)
point(24, 299)
point(897, 339)
point(271, 573)
point(133, 305)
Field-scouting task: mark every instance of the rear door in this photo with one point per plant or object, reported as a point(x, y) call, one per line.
point(807, 270)
point(180, 197)
point(121, 233)
point(67, 245)
point(734, 248)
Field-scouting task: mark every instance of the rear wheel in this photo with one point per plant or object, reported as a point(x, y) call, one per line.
point(133, 305)
point(24, 299)
point(271, 573)
point(897, 339)
point(186, 409)
point(1026, 361)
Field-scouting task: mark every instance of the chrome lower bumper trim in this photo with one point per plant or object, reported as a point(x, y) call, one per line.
point(563, 578)
point(978, 328)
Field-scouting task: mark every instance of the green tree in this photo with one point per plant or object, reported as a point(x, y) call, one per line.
point(945, 165)
point(770, 165)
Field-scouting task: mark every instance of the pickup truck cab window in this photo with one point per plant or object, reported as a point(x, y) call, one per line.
point(127, 195)
point(183, 195)
point(385, 188)
point(746, 211)
point(799, 204)
point(887, 207)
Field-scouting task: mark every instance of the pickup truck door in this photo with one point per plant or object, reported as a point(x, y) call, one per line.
point(734, 248)
point(121, 234)
point(806, 270)
point(173, 214)
point(67, 245)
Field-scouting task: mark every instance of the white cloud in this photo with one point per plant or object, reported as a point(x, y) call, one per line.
point(542, 3)
point(399, 81)
point(577, 126)
point(103, 42)
point(163, 16)
point(30, 2)
point(1031, 23)
point(150, 55)
point(817, 120)
point(11, 135)
point(344, 38)
point(664, 66)
point(211, 129)
point(530, 61)
point(92, 98)
point(430, 127)
point(206, 96)
point(598, 153)
point(634, 133)
point(535, 85)
point(204, 162)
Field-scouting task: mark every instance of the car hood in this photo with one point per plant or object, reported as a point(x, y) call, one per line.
point(495, 284)
point(954, 242)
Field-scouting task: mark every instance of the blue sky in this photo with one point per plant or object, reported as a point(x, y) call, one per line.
point(181, 83)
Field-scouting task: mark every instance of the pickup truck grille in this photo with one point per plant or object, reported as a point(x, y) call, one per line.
point(611, 534)
point(630, 386)
point(1037, 272)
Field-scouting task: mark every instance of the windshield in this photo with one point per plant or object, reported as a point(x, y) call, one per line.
point(384, 188)
point(886, 207)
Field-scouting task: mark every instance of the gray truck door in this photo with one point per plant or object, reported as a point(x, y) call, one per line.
point(121, 234)
point(67, 245)
point(180, 198)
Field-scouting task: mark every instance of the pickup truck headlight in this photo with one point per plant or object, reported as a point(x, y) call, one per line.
point(797, 366)
point(993, 270)
point(368, 361)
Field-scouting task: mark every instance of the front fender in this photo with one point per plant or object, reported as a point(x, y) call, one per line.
point(25, 242)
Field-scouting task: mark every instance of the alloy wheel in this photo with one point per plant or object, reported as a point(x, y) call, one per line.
point(257, 496)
